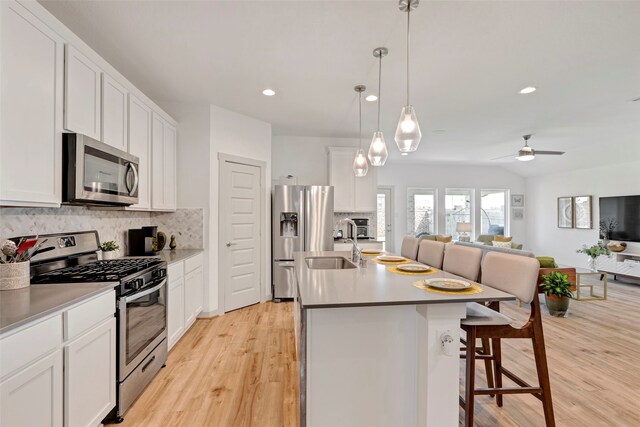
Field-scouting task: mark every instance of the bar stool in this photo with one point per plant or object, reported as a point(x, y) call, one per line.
point(409, 247)
point(431, 252)
point(518, 276)
point(462, 261)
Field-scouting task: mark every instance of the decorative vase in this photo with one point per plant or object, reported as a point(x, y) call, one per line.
point(556, 305)
point(593, 264)
point(14, 275)
point(173, 244)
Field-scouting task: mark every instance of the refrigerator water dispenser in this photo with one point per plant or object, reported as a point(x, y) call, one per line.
point(288, 224)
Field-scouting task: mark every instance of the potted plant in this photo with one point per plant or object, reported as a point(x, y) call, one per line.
point(556, 287)
point(594, 252)
point(110, 249)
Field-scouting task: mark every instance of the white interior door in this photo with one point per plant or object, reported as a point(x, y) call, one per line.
point(240, 231)
point(384, 218)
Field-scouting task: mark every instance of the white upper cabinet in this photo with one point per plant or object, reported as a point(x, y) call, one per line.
point(31, 61)
point(114, 113)
point(163, 175)
point(140, 146)
point(351, 193)
point(82, 95)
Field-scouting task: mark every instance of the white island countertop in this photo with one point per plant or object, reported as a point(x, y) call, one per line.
point(372, 285)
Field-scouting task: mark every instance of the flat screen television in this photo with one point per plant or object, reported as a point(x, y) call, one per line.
point(622, 216)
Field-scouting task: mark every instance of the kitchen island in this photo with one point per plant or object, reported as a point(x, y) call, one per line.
point(370, 346)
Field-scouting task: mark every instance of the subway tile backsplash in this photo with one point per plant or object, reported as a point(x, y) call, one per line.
point(186, 224)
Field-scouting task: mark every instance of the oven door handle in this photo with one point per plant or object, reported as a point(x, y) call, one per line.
point(145, 292)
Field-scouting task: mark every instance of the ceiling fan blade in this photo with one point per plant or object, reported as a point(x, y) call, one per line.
point(504, 157)
point(550, 153)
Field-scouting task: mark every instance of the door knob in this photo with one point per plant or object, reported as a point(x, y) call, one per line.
point(229, 244)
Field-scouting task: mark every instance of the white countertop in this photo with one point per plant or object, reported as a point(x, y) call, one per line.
point(372, 285)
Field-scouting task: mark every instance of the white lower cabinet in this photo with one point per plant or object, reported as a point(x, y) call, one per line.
point(175, 311)
point(50, 381)
point(89, 376)
point(186, 296)
point(33, 396)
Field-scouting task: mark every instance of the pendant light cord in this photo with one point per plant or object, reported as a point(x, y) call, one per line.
point(379, 88)
point(408, 49)
point(360, 115)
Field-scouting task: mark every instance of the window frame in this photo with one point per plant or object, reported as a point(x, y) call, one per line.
point(411, 216)
point(507, 208)
point(472, 208)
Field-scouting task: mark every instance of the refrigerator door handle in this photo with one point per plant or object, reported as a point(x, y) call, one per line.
point(303, 218)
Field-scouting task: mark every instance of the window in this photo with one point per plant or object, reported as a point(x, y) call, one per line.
point(458, 208)
point(493, 212)
point(382, 217)
point(421, 211)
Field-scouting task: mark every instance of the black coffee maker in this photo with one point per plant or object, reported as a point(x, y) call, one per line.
point(141, 241)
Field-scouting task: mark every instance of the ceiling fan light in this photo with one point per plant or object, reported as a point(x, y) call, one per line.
point(408, 132)
point(526, 154)
point(378, 150)
point(360, 165)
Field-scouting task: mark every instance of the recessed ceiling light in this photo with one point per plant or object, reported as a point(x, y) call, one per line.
point(268, 92)
point(404, 154)
point(528, 89)
point(371, 98)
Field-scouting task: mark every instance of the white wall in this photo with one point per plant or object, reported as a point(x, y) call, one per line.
point(401, 176)
point(544, 237)
point(238, 135)
point(306, 157)
point(204, 132)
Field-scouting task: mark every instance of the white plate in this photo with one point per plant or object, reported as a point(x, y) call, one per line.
point(371, 252)
point(414, 268)
point(390, 258)
point(448, 284)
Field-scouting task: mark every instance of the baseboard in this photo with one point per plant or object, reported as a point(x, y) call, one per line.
point(209, 314)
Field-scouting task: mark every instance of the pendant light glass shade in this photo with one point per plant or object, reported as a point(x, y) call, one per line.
point(360, 165)
point(378, 150)
point(408, 133)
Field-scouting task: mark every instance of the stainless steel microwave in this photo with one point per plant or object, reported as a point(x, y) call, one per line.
point(97, 174)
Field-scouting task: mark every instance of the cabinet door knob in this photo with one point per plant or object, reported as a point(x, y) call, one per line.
point(229, 244)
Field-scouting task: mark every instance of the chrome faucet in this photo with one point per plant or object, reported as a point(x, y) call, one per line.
point(356, 253)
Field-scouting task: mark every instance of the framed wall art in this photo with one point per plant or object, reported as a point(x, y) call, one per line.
point(517, 214)
point(565, 212)
point(517, 200)
point(582, 212)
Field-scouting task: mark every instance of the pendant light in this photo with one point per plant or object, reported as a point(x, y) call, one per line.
point(360, 165)
point(408, 133)
point(378, 149)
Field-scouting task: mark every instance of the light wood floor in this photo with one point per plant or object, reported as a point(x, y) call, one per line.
point(240, 370)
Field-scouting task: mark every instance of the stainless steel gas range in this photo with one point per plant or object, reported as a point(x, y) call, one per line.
point(141, 294)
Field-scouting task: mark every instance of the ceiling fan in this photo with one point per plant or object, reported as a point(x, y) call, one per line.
point(527, 153)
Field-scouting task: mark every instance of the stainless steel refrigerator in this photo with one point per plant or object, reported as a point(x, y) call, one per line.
point(302, 221)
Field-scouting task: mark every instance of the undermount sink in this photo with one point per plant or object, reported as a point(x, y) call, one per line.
point(329, 263)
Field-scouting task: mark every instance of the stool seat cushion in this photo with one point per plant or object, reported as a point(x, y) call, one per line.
point(478, 315)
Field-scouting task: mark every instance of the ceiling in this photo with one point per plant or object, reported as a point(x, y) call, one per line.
point(469, 60)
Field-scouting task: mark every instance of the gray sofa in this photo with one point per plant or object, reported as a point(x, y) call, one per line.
point(485, 249)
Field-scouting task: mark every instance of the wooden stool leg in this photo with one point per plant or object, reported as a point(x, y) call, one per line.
point(486, 349)
point(497, 360)
point(469, 389)
point(543, 374)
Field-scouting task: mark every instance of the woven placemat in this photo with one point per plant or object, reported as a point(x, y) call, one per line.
point(395, 269)
point(406, 261)
point(474, 289)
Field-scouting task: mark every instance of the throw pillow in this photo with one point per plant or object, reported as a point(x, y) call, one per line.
point(502, 239)
point(547, 262)
point(443, 239)
point(502, 244)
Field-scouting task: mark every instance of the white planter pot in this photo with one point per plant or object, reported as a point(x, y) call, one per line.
point(110, 254)
point(14, 276)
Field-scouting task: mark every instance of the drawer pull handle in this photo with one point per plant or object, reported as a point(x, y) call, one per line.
point(144, 368)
